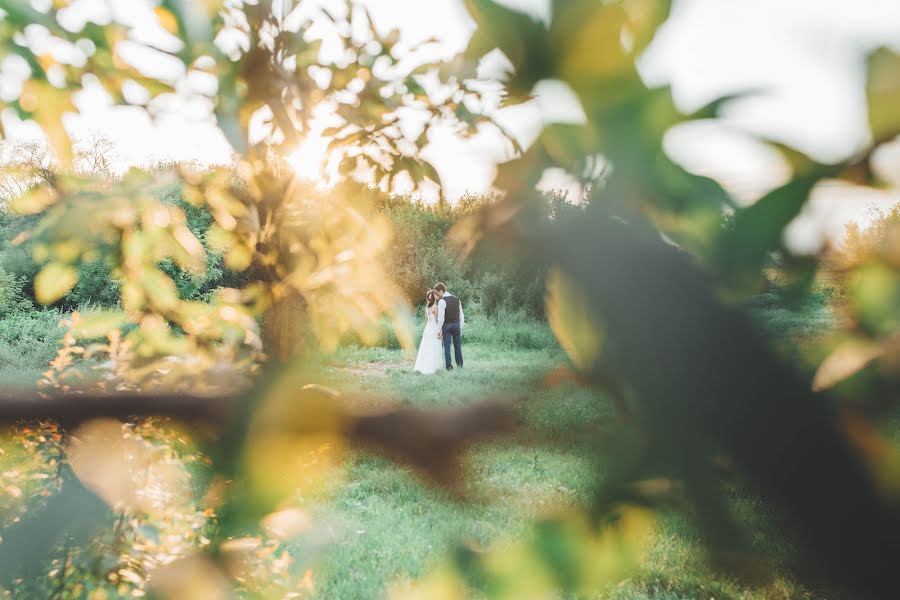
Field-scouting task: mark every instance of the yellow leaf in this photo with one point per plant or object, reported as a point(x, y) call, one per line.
point(33, 201)
point(883, 91)
point(238, 257)
point(97, 323)
point(166, 19)
point(160, 290)
point(442, 585)
point(588, 36)
point(54, 281)
point(219, 239)
point(847, 359)
point(132, 296)
point(570, 316)
point(67, 250)
point(47, 105)
point(187, 251)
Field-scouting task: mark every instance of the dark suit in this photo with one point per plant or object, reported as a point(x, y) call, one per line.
point(451, 329)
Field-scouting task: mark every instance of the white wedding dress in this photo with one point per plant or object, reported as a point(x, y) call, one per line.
point(431, 352)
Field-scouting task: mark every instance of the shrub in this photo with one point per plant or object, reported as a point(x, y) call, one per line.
point(387, 337)
point(29, 339)
point(493, 294)
point(95, 287)
point(12, 295)
point(509, 329)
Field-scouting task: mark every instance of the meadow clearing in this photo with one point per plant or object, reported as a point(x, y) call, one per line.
point(389, 526)
point(378, 525)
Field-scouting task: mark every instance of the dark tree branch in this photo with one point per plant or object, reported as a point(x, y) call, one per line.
point(74, 409)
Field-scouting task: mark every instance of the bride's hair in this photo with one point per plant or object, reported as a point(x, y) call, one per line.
point(430, 297)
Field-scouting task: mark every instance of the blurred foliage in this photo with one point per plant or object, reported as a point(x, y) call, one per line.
point(642, 287)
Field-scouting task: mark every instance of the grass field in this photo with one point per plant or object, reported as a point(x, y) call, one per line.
point(390, 527)
point(379, 525)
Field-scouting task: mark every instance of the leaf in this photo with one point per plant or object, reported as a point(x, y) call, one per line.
point(33, 201)
point(189, 253)
point(430, 172)
point(883, 94)
point(238, 257)
point(713, 109)
point(98, 323)
point(847, 359)
point(160, 290)
point(54, 281)
point(333, 131)
point(47, 105)
point(876, 290)
point(586, 38)
point(567, 144)
point(570, 316)
point(193, 23)
point(758, 229)
point(522, 39)
point(228, 110)
point(21, 14)
point(166, 19)
point(73, 512)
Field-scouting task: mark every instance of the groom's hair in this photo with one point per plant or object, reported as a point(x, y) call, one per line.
point(440, 287)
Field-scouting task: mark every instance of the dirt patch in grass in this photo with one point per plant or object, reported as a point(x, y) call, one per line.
point(378, 367)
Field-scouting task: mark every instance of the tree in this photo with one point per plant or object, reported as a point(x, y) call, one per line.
point(23, 165)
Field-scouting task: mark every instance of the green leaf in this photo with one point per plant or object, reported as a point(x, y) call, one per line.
point(74, 513)
point(713, 109)
point(567, 144)
point(21, 14)
point(757, 229)
point(521, 38)
point(430, 172)
point(54, 281)
point(883, 94)
point(192, 20)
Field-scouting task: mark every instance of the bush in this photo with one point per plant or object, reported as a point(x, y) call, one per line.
point(29, 339)
point(387, 337)
point(12, 295)
point(493, 294)
point(421, 256)
point(510, 329)
point(95, 287)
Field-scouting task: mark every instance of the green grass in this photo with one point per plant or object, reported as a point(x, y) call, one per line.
point(396, 526)
point(377, 523)
point(807, 320)
point(390, 527)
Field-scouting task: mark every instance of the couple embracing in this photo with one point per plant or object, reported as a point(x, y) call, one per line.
point(444, 321)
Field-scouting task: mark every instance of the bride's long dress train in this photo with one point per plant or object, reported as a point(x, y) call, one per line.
point(430, 355)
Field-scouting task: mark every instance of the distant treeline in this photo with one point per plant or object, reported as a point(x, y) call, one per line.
point(489, 280)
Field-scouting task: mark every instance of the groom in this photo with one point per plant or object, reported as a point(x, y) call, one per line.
point(450, 323)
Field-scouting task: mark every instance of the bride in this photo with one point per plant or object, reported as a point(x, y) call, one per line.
point(429, 358)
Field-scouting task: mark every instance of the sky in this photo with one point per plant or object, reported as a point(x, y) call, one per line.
point(804, 57)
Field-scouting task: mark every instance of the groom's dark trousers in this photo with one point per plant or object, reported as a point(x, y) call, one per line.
point(454, 332)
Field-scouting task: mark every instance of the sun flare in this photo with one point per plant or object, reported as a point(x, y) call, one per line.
point(308, 159)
